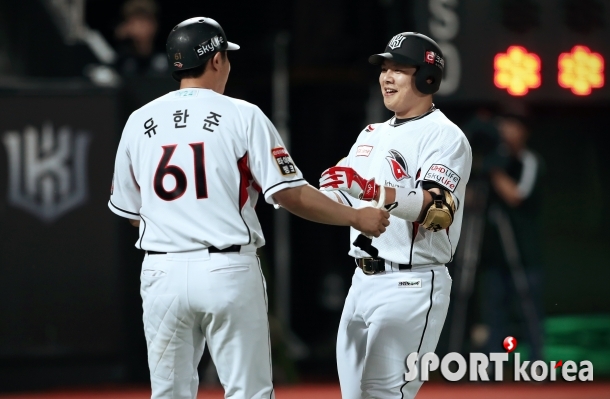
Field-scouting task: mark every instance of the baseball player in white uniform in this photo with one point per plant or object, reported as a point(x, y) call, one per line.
point(188, 171)
point(417, 164)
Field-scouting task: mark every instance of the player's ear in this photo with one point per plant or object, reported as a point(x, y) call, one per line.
point(216, 61)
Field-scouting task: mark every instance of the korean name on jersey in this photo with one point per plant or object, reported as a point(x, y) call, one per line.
point(403, 155)
point(190, 165)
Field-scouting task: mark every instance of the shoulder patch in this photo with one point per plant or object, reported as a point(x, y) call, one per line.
point(443, 176)
point(283, 160)
point(369, 128)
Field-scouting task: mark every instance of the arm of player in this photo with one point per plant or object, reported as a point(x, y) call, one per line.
point(417, 205)
point(340, 197)
point(125, 199)
point(408, 204)
point(307, 202)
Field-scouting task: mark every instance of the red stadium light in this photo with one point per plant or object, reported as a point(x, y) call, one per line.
point(517, 71)
point(581, 70)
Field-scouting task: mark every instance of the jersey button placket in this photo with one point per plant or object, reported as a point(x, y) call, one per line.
point(380, 176)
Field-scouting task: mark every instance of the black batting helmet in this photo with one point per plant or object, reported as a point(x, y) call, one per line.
point(194, 41)
point(415, 49)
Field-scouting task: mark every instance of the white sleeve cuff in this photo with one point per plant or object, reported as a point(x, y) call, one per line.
point(122, 212)
point(268, 194)
point(408, 203)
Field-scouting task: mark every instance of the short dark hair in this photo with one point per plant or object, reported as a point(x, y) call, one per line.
point(196, 72)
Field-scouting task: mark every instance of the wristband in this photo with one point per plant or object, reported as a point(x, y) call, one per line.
point(409, 202)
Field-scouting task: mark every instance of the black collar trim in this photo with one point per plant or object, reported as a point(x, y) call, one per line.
point(397, 122)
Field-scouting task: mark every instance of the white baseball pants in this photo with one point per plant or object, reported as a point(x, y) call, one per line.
point(386, 317)
point(193, 297)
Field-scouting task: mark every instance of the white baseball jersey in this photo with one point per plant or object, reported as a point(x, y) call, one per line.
point(430, 148)
point(190, 165)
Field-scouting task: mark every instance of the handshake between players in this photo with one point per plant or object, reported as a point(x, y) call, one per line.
point(307, 202)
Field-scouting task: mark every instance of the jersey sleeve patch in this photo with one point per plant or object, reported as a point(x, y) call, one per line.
point(284, 162)
point(443, 176)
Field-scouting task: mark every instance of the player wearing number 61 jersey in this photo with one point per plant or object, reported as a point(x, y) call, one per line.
point(185, 168)
point(189, 168)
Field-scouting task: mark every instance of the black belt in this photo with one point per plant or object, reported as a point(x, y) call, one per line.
point(376, 265)
point(212, 250)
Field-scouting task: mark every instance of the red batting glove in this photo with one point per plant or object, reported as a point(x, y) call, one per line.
point(370, 191)
point(347, 179)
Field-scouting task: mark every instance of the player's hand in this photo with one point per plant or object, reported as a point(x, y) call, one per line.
point(347, 179)
point(372, 221)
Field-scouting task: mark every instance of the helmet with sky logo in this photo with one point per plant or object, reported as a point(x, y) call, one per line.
point(193, 42)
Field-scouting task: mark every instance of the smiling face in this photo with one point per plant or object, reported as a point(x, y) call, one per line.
point(400, 95)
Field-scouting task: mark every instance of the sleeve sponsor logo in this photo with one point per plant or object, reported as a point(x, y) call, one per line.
point(364, 150)
point(284, 162)
point(444, 176)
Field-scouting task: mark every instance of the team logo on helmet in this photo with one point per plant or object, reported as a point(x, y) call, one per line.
point(396, 42)
point(178, 64)
point(429, 58)
point(398, 165)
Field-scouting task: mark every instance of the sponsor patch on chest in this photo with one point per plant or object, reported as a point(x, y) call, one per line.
point(443, 176)
point(364, 150)
point(284, 162)
point(412, 283)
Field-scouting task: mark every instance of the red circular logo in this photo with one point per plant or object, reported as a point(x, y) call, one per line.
point(510, 344)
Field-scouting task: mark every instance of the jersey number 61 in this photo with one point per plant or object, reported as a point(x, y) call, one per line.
point(165, 169)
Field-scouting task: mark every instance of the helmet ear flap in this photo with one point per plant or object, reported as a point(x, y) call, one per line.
point(424, 74)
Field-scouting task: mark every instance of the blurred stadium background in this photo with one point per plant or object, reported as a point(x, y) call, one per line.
point(71, 71)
